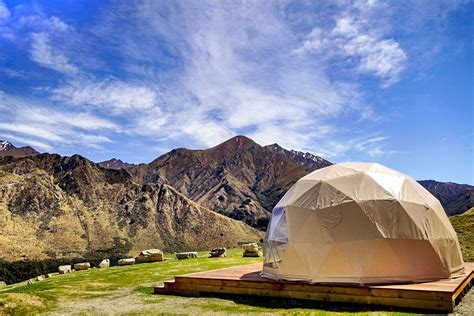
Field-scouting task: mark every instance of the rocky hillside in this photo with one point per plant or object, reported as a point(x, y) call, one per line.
point(238, 178)
point(8, 149)
point(455, 198)
point(53, 207)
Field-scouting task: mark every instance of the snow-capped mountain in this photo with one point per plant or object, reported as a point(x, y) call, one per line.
point(309, 161)
point(4, 145)
point(8, 149)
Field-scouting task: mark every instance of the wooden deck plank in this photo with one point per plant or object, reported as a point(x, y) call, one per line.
point(246, 280)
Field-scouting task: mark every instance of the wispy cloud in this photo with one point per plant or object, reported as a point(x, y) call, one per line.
point(227, 84)
point(354, 42)
point(109, 94)
point(52, 127)
point(31, 130)
point(44, 54)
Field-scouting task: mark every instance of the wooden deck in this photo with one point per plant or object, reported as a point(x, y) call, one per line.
point(246, 280)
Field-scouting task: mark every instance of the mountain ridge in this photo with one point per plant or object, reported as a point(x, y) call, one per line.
point(238, 178)
point(8, 149)
point(456, 198)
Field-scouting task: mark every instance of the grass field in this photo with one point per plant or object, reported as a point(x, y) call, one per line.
point(127, 290)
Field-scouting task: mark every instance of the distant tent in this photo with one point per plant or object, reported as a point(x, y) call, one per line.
point(360, 223)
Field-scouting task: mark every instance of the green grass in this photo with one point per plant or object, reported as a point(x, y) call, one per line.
point(128, 290)
point(464, 226)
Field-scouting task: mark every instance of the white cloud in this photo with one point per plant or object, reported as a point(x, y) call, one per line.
point(31, 130)
point(45, 55)
point(39, 23)
point(52, 127)
point(353, 40)
point(4, 12)
point(109, 94)
point(373, 147)
point(81, 120)
point(228, 85)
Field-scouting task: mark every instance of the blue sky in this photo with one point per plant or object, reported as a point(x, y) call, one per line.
point(381, 81)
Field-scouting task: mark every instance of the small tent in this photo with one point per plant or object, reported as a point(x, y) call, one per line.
point(360, 223)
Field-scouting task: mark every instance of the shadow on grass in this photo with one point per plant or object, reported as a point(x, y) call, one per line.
point(274, 303)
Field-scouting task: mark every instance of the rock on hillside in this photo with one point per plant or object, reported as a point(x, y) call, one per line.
point(53, 206)
point(238, 178)
point(8, 149)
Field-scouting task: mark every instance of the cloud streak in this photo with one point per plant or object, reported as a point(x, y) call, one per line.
point(352, 42)
point(48, 127)
point(113, 95)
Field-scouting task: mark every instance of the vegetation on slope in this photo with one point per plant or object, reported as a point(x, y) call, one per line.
point(464, 226)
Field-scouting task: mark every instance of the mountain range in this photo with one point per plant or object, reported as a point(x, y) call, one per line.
point(54, 207)
point(455, 198)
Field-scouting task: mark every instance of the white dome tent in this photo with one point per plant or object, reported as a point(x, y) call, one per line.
point(360, 223)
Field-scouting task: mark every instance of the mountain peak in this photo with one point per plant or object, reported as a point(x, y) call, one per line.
point(8, 149)
point(5, 145)
point(235, 143)
point(240, 140)
point(115, 163)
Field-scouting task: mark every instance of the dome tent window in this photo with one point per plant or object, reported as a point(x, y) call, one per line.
point(278, 238)
point(360, 223)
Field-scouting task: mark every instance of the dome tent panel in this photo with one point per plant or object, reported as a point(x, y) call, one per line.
point(392, 184)
point(397, 219)
point(450, 256)
point(360, 187)
point(330, 173)
point(362, 223)
point(296, 191)
point(377, 168)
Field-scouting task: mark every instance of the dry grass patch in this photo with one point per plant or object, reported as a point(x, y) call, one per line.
point(21, 301)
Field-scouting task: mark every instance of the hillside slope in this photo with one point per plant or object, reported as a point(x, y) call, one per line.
point(53, 207)
point(464, 226)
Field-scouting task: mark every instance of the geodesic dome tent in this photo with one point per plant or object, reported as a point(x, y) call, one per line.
point(360, 223)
